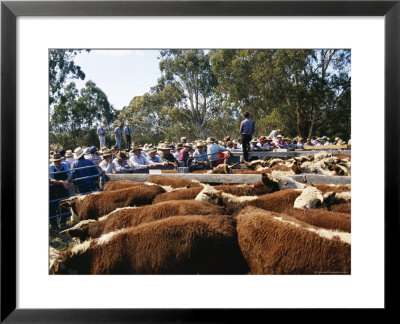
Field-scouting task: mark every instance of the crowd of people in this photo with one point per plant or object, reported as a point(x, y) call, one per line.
point(83, 166)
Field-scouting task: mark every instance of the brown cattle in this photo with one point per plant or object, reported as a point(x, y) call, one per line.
point(120, 184)
point(173, 182)
point(176, 245)
point(279, 201)
point(98, 204)
point(183, 194)
point(324, 188)
point(128, 217)
point(342, 208)
point(274, 243)
point(322, 218)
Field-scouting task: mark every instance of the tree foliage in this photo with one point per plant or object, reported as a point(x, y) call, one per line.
point(79, 113)
point(304, 92)
point(287, 88)
point(62, 67)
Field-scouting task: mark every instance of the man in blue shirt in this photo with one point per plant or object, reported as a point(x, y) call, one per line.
point(200, 158)
point(246, 132)
point(118, 136)
point(87, 184)
point(101, 132)
point(60, 178)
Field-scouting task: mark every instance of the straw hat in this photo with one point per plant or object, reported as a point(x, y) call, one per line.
point(56, 157)
point(200, 143)
point(136, 147)
point(78, 152)
point(121, 156)
point(166, 147)
point(106, 152)
point(188, 145)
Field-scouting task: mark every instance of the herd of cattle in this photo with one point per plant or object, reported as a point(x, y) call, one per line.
point(172, 225)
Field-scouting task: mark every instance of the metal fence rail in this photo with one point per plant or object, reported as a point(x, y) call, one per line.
point(102, 181)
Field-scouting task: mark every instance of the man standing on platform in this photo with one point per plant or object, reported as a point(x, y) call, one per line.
point(118, 136)
point(101, 132)
point(246, 132)
point(128, 134)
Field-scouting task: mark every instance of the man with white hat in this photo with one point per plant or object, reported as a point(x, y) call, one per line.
point(200, 159)
point(85, 184)
point(101, 132)
point(69, 158)
point(184, 154)
point(137, 160)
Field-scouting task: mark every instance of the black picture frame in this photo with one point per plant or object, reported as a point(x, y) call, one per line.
point(10, 10)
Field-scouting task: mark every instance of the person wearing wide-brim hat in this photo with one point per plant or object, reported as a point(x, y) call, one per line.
point(87, 181)
point(178, 148)
point(107, 164)
point(200, 158)
point(279, 143)
point(184, 154)
point(137, 159)
point(167, 156)
point(69, 159)
point(60, 178)
point(122, 164)
point(253, 145)
point(154, 160)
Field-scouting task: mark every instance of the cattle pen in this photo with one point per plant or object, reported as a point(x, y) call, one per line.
point(170, 213)
point(233, 178)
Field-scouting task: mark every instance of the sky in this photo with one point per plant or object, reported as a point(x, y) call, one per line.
point(121, 74)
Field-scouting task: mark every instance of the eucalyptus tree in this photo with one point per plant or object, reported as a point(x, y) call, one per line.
point(62, 68)
point(190, 73)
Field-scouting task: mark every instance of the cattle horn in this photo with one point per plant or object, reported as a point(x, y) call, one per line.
point(231, 166)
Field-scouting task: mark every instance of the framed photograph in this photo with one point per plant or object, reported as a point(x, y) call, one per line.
point(370, 29)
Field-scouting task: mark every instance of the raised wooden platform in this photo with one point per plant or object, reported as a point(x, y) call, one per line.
point(234, 178)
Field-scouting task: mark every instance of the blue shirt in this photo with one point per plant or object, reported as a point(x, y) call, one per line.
point(156, 159)
point(247, 127)
point(127, 130)
point(213, 150)
point(139, 162)
point(120, 166)
point(200, 157)
point(118, 132)
point(84, 184)
point(101, 131)
point(61, 176)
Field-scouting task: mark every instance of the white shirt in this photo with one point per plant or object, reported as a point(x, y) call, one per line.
point(138, 162)
point(107, 167)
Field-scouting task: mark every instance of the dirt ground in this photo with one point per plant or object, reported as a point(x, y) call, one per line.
point(61, 241)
